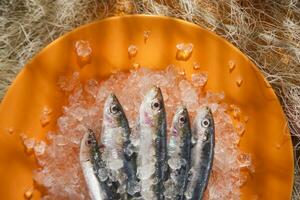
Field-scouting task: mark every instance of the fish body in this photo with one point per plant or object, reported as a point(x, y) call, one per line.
point(179, 150)
point(152, 157)
point(88, 150)
point(202, 154)
point(118, 151)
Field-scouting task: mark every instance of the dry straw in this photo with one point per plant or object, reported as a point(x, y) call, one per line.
point(267, 31)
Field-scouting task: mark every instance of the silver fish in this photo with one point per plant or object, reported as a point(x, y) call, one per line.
point(100, 169)
point(202, 154)
point(88, 148)
point(152, 157)
point(179, 151)
point(118, 151)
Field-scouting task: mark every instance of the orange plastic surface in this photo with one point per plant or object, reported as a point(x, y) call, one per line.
point(266, 138)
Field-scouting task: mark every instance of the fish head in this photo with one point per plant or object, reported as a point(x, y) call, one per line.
point(113, 114)
point(152, 107)
point(181, 122)
point(204, 125)
point(88, 142)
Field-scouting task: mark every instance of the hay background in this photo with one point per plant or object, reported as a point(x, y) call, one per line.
point(268, 31)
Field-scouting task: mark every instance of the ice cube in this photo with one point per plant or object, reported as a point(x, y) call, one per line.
point(133, 187)
point(91, 87)
point(29, 143)
point(39, 148)
point(196, 65)
point(45, 116)
point(174, 163)
point(83, 48)
point(102, 174)
point(184, 51)
point(115, 164)
point(60, 140)
point(200, 79)
point(132, 51)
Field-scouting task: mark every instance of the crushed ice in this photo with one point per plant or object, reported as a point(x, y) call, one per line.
point(60, 172)
point(132, 51)
point(83, 48)
point(196, 66)
point(45, 116)
point(184, 51)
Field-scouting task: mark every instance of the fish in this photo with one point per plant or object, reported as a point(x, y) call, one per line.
point(152, 156)
point(119, 153)
point(88, 152)
point(179, 151)
point(203, 133)
point(106, 185)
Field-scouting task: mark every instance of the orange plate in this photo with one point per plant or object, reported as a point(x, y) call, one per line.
point(266, 138)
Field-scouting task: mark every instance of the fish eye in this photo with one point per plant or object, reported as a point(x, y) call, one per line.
point(156, 105)
point(205, 123)
point(114, 109)
point(181, 120)
point(88, 142)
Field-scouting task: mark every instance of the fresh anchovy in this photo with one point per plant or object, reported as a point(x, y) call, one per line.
point(202, 154)
point(88, 155)
point(179, 150)
point(118, 151)
point(152, 157)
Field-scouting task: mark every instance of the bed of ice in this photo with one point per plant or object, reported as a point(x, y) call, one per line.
point(58, 157)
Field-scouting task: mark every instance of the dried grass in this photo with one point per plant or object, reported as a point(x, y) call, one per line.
point(267, 31)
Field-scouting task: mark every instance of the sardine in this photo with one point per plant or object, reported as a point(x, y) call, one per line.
point(179, 150)
point(100, 169)
point(118, 150)
point(88, 154)
point(152, 157)
point(202, 154)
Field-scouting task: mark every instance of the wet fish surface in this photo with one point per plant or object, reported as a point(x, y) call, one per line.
point(178, 169)
point(118, 152)
point(203, 133)
point(179, 151)
point(88, 155)
point(152, 156)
